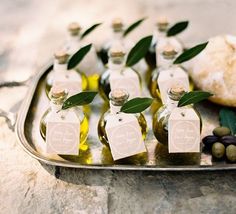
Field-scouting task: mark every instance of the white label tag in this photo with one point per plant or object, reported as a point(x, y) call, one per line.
point(63, 135)
point(124, 136)
point(184, 131)
point(127, 80)
point(172, 77)
point(69, 80)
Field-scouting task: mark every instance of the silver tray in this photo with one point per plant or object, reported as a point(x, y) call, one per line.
point(99, 157)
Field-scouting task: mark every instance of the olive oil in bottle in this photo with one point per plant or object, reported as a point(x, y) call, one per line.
point(119, 76)
point(72, 80)
point(58, 95)
point(116, 38)
point(166, 63)
point(117, 98)
point(91, 65)
point(160, 130)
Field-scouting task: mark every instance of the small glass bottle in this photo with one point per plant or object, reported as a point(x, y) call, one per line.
point(160, 130)
point(58, 95)
point(165, 62)
point(159, 33)
point(60, 69)
point(116, 65)
point(91, 64)
point(117, 98)
point(116, 38)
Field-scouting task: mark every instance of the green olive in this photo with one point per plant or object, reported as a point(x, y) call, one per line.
point(221, 131)
point(231, 153)
point(218, 150)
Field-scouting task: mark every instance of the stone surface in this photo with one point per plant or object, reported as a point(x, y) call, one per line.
point(30, 31)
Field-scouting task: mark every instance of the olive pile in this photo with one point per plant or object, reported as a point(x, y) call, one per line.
point(221, 143)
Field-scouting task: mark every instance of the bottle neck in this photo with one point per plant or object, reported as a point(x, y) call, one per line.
point(59, 67)
point(116, 66)
point(117, 35)
point(114, 108)
point(55, 107)
point(73, 44)
point(164, 62)
point(171, 104)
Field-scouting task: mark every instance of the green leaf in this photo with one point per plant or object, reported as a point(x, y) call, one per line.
point(78, 56)
point(136, 105)
point(177, 28)
point(228, 119)
point(89, 30)
point(193, 97)
point(82, 98)
point(138, 51)
point(190, 53)
point(133, 26)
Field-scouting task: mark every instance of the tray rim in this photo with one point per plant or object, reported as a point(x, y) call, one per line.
point(19, 131)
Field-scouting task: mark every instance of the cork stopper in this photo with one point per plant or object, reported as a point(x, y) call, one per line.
point(162, 23)
point(61, 56)
point(169, 52)
point(58, 92)
point(117, 25)
point(176, 92)
point(118, 96)
point(74, 28)
point(117, 51)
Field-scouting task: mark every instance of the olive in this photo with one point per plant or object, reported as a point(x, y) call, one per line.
point(231, 153)
point(209, 140)
point(218, 150)
point(228, 140)
point(221, 131)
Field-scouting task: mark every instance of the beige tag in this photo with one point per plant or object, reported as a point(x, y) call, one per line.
point(127, 80)
point(63, 134)
point(172, 77)
point(124, 136)
point(69, 80)
point(184, 131)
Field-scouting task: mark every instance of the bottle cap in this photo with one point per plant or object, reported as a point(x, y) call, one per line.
point(58, 92)
point(116, 51)
point(61, 56)
point(176, 92)
point(118, 96)
point(117, 24)
point(162, 23)
point(169, 51)
point(74, 28)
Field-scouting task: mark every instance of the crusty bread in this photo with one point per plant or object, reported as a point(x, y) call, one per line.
point(214, 70)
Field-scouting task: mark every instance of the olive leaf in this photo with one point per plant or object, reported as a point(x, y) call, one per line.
point(177, 28)
point(190, 53)
point(78, 56)
point(82, 98)
point(228, 119)
point(89, 30)
point(132, 26)
point(193, 97)
point(136, 105)
point(138, 51)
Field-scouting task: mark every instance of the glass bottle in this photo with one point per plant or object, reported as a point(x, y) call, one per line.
point(117, 98)
point(91, 64)
point(159, 33)
point(58, 95)
point(116, 64)
point(160, 130)
point(116, 38)
point(67, 76)
point(165, 62)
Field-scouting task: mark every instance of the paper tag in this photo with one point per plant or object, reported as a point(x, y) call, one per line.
point(69, 80)
point(127, 80)
point(184, 131)
point(124, 136)
point(172, 77)
point(63, 134)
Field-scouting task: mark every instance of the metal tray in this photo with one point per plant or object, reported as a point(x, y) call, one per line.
point(99, 157)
